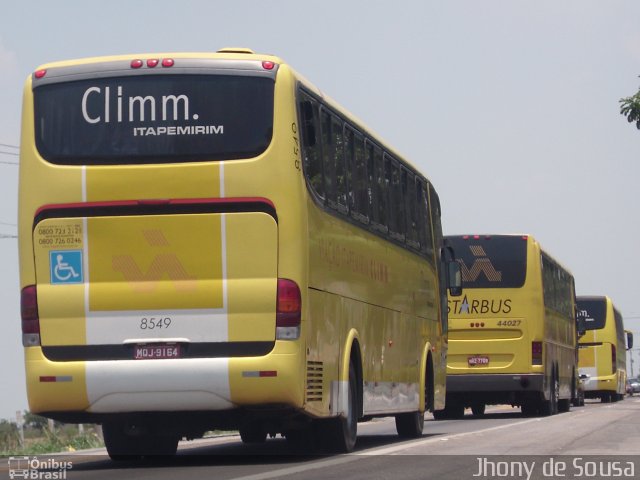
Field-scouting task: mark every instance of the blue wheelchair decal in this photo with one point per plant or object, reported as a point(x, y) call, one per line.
point(65, 266)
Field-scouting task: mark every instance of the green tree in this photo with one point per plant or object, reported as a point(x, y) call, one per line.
point(630, 108)
point(36, 422)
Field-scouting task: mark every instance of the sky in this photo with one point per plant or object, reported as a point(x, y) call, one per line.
point(509, 107)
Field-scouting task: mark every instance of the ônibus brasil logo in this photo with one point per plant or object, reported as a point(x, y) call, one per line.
point(35, 469)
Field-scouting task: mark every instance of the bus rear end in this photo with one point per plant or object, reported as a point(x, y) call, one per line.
point(151, 297)
point(495, 333)
point(601, 349)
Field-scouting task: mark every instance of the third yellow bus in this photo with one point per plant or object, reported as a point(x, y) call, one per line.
point(603, 359)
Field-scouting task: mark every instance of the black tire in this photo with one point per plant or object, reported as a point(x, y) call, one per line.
point(478, 409)
point(564, 405)
point(253, 433)
point(130, 442)
point(529, 409)
point(302, 440)
point(550, 407)
point(440, 415)
point(339, 434)
point(410, 425)
point(456, 411)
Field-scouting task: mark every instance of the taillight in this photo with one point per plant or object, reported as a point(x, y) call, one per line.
point(536, 353)
point(614, 359)
point(30, 318)
point(288, 310)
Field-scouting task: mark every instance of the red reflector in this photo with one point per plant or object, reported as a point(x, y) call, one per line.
point(536, 353)
point(268, 373)
point(267, 65)
point(167, 62)
point(40, 73)
point(152, 62)
point(29, 310)
point(136, 63)
point(47, 379)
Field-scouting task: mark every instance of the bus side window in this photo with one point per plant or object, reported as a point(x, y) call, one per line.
point(409, 182)
point(349, 166)
point(425, 235)
point(379, 208)
point(360, 179)
point(340, 167)
point(398, 229)
point(311, 153)
point(388, 192)
point(328, 154)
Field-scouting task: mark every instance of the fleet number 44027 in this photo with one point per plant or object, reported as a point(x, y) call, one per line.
point(509, 323)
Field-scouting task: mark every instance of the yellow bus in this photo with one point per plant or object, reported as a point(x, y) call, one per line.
point(208, 241)
point(602, 349)
point(512, 334)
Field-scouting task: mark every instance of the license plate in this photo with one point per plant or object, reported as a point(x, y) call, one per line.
point(478, 360)
point(150, 352)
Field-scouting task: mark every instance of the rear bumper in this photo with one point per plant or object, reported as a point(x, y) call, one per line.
point(186, 384)
point(604, 383)
point(495, 383)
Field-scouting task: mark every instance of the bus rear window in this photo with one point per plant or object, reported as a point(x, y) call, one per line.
point(153, 119)
point(491, 262)
point(593, 312)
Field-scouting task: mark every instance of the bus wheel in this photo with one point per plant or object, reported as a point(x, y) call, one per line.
point(302, 440)
point(478, 409)
point(410, 425)
point(253, 433)
point(529, 409)
point(129, 441)
point(339, 434)
point(564, 405)
point(439, 414)
point(550, 407)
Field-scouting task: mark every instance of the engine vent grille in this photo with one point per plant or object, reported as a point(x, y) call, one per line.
point(314, 381)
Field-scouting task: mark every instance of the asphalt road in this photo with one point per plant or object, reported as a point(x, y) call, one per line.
point(596, 441)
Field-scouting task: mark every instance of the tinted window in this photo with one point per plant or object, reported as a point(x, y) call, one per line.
point(491, 262)
point(593, 312)
point(154, 119)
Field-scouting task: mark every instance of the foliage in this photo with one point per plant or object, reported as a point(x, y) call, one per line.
point(630, 108)
point(9, 437)
point(38, 439)
point(37, 422)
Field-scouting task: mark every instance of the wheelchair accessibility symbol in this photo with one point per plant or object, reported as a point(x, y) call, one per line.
point(65, 266)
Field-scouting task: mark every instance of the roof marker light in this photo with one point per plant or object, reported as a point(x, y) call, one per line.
point(40, 73)
point(136, 63)
point(167, 62)
point(152, 62)
point(267, 65)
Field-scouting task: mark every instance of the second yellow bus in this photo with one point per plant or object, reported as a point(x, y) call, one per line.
point(512, 334)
